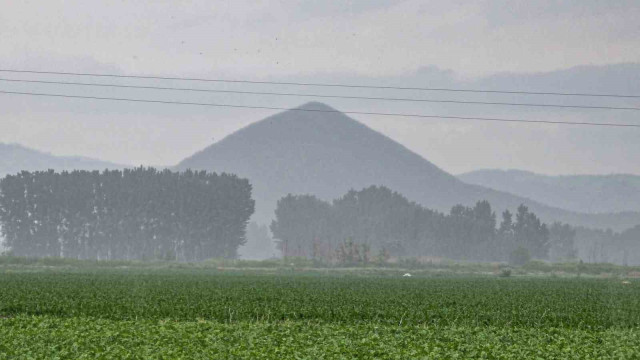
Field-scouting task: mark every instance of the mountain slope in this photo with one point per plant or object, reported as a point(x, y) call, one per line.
point(15, 158)
point(326, 154)
point(586, 193)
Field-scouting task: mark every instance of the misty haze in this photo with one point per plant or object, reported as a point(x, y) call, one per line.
point(285, 180)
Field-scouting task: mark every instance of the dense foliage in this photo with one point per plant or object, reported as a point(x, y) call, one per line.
point(208, 314)
point(137, 213)
point(381, 221)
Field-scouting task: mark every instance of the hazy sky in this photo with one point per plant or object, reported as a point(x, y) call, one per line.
point(511, 44)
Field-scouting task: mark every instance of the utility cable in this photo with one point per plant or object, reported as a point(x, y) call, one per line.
point(322, 111)
point(322, 84)
point(320, 95)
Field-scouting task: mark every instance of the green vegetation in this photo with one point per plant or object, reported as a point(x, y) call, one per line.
point(207, 313)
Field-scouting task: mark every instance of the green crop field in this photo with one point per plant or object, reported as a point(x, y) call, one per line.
point(209, 314)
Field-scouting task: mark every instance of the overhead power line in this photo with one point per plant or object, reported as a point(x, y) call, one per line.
point(322, 84)
point(320, 95)
point(321, 110)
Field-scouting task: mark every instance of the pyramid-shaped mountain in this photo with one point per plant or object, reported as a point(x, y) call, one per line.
point(315, 149)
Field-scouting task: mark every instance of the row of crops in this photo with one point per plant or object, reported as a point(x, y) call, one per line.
point(212, 314)
point(570, 303)
point(26, 337)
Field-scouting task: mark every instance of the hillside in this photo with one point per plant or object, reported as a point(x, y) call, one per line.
point(15, 158)
point(585, 193)
point(326, 154)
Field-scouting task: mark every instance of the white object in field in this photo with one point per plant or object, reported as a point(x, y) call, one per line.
point(407, 275)
point(626, 282)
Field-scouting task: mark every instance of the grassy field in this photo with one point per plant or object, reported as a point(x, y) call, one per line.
point(143, 313)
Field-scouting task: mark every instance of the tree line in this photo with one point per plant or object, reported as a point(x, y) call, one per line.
point(139, 213)
point(378, 222)
point(607, 246)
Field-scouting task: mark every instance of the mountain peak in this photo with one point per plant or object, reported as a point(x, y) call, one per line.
point(319, 150)
point(309, 120)
point(316, 106)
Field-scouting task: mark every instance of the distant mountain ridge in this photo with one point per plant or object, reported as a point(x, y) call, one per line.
point(328, 153)
point(15, 158)
point(581, 193)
